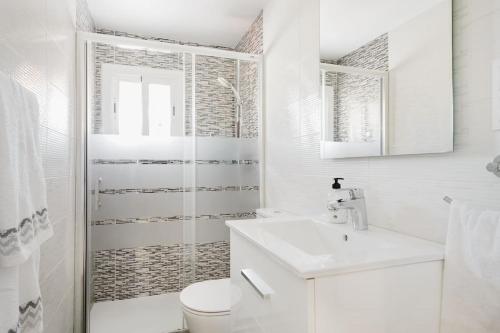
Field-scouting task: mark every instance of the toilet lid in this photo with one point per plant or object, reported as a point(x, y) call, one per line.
point(210, 296)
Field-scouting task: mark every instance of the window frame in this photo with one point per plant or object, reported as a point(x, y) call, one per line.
point(112, 74)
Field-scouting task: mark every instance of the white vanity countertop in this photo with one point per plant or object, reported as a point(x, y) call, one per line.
point(313, 248)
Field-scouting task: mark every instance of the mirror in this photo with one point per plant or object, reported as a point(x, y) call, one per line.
point(386, 77)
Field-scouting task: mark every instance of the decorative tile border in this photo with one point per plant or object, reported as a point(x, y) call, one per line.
point(176, 162)
point(181, 189)
point(177, 218)
point(154, 270)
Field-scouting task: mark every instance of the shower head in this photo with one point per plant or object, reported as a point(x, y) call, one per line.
point(226, 84)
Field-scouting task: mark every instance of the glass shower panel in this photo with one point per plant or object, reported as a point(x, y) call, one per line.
point(227, 157)
point(140, 175)
point(172, 153)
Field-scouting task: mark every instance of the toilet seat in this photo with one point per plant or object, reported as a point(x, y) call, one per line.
point(206, 314)
point(207, 298)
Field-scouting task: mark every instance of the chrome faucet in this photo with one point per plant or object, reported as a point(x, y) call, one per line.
point(348, 205)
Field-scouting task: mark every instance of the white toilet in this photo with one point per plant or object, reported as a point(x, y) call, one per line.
point(206, 306)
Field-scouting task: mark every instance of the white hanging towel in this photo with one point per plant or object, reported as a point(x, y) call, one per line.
point(24, 224)
point(471, 285)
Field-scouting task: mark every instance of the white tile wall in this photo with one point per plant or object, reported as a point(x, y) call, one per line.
point(404, 193)
point(37, 47)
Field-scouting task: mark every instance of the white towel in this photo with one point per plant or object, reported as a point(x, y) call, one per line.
point(24, 223)
point(471, 285)
point(20, 300)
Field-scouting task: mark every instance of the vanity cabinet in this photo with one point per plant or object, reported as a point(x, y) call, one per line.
point(287, 309)
point(401, 298)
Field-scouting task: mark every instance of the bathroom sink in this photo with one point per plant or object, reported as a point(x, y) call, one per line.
point(312, 248)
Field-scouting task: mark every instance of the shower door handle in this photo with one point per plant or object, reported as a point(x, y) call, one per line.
point(98, 193)
point(261, 287)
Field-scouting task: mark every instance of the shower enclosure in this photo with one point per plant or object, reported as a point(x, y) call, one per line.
point(354, 109)
point(170, 149)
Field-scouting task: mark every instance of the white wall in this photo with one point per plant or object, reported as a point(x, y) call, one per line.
point(37, 48)
point(404, 193)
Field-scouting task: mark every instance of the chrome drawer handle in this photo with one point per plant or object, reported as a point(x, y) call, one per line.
point(257, 283)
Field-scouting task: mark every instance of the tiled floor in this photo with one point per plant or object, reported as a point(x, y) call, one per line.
point(152, 314)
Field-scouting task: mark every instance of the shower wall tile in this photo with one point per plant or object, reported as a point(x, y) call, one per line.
point(252, 42)
point(212, 261)
point(104, 271)
point(373, 55)
point(249, 91)
point(154, 270)
point(351, 91)
point(215, 105)
point(132, 273)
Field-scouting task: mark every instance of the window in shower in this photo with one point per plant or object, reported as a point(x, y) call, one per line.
point(142, 101)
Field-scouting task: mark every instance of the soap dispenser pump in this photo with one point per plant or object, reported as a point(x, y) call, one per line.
point(336, 185)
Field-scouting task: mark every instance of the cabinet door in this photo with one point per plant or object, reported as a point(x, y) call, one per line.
point(285, 310)
point(391, 300)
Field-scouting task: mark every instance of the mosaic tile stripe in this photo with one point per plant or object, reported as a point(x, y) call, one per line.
point(154, 270)
point(177, 218)
point(177, 162)
point(181, 189)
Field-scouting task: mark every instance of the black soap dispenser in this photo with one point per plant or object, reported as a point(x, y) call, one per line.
point(336, 215)
point(337, 185)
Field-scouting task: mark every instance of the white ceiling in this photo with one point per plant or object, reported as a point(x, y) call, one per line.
point(210, 22)
point(349, 24)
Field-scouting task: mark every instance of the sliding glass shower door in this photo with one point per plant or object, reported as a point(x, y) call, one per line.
point(172, 153)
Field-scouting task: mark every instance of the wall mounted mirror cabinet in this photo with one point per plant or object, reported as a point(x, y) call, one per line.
point(386, 77)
